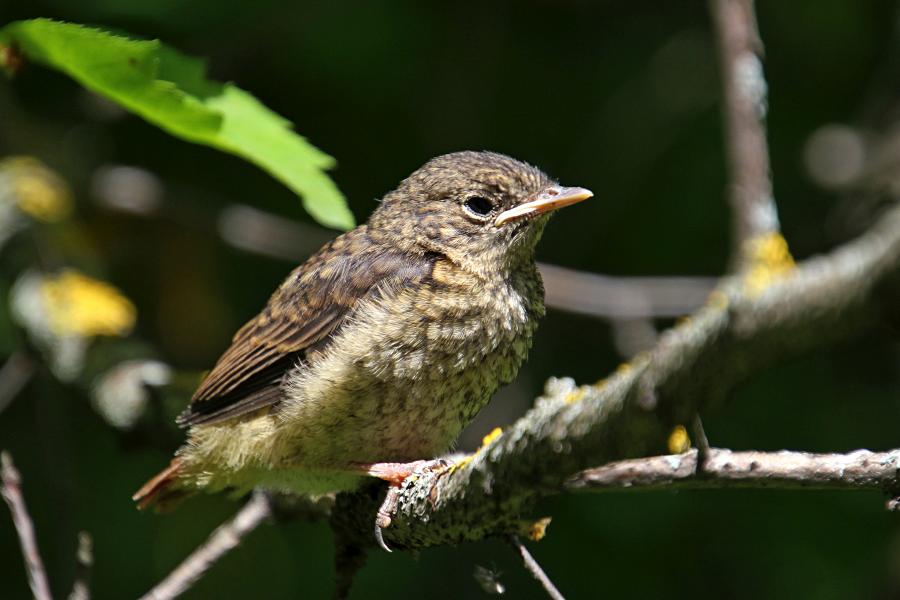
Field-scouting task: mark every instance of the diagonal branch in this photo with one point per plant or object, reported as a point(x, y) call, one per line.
point(12, 493)
point(534, 568)
point(223, 540)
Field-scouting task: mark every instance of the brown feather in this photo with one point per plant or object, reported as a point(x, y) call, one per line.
point(301, 316)
point(159, 488)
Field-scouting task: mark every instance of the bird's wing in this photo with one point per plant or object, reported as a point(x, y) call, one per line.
point(301, 316)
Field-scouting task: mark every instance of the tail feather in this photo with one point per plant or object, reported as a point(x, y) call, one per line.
point(162, 491)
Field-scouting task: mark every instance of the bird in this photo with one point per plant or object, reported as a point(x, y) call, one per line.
point(375, 353)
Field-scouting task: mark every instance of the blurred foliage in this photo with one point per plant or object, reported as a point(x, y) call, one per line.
point(35, 190)
point(170, 90)
point(620, 97)
point(80, 305)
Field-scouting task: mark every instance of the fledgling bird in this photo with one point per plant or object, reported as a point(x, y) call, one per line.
point(382, 346)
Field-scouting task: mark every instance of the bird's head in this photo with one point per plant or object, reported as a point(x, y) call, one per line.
point(485, 211)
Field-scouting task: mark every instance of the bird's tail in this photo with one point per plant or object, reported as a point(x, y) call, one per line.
point(163, 491)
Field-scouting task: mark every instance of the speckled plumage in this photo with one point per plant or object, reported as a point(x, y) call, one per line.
point(381, 347)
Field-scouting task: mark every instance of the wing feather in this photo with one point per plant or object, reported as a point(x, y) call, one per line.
point(301, 316)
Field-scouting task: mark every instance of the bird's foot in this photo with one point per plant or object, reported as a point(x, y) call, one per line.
point(395, 474)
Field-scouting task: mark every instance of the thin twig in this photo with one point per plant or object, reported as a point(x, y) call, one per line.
point(267, 234)
point(860, 470)
point(84, 561)
point(14, 374)
point(623, 297)
point(633, 336)
point(224, 539)
point(753, 207)
point(535, 569)
point(257, 231)
point(701, 442)
point(12, 494)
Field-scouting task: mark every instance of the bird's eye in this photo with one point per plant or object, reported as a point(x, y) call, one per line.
point(479, 206)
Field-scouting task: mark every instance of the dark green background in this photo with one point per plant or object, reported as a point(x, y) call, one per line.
point(621, 97)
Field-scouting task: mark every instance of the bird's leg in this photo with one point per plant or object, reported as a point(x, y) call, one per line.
point(395, 474)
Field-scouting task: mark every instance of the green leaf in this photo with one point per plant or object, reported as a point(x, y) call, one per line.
point(171, 91)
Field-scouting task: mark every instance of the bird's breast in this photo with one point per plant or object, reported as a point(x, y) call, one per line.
point(413, 366)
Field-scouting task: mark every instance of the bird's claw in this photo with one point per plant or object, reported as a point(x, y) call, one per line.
point(383, 516)
point(395, 474)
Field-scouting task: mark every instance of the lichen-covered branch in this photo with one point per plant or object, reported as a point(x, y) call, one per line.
point(860, 470)
point(770, 310)
point(740, 331)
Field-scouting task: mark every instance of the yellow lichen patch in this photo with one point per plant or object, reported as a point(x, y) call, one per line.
point(770, 260)
point(623, 369)
point(495, 433)
point(535, 530)
point(575, 395)
point(679, 441)
point(461, 463)
point(80, 305)
point(38, 191)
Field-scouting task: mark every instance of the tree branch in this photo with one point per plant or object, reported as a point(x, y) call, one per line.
point(224, 539)
point(740, 330)
point(860, 470)
point(591, 294)
point(744, 94)
point(84, 561)
point(623, 297)
point(253, 230)
point(744, 327)
point(12, 493)
point(532, 566)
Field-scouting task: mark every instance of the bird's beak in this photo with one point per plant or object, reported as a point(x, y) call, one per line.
point(549, 199)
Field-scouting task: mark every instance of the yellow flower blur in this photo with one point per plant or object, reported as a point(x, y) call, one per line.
point(38, 191)
point(77, 304)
